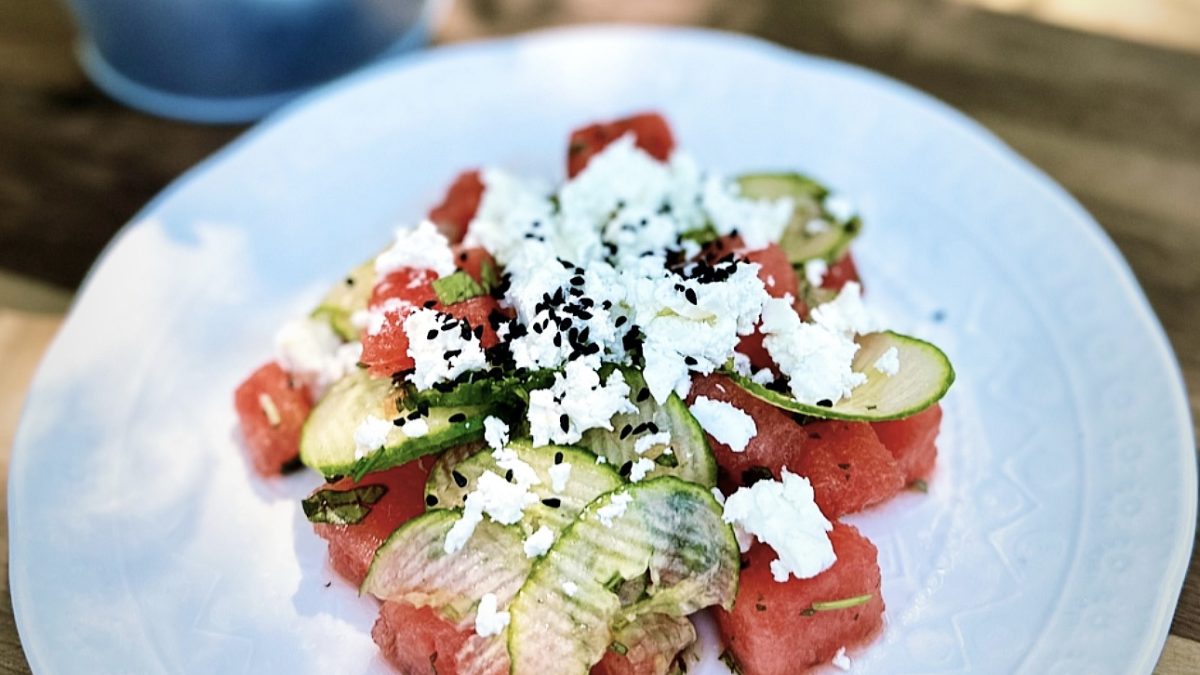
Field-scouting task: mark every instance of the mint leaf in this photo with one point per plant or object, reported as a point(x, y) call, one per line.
point(342, 507)
point(456, 288)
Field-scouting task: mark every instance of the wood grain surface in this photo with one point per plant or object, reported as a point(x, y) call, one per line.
point(1116, 123)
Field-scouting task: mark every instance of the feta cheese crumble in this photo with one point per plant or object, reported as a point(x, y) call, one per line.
point(888, 362)
point(760, 222)
point(371, 435)
point(840, 660)
point(495, 432)
point(500, 500)
point(725, 422)
point(816, 360)
point(644, 443)
point(615, 508)
point(639, 469)
point(415, 428)
point(576, 402)
point(559, 475)
point(439, 346)
point(310, 350)
point(784, 516)
point(421, 247)
point(814, 272)
point(539, 542)
point(489, 621)
point(570, 588)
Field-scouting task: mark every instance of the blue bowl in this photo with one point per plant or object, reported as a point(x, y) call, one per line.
point(235, 60)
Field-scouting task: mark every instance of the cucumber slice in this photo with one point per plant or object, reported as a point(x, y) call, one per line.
point(690, 456)
point(924, 377)
point(327, 439)
point(412, 566)
point(809, 196)
point(509, 390)
point(556, 510)
point(670, 530)
point(654, 641)
point(345, 298)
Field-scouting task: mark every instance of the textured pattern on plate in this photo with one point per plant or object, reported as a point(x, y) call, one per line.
point(1057, 528)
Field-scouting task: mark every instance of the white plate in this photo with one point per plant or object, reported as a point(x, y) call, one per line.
point(1056, 532)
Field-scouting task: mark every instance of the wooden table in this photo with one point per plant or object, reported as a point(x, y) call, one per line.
point(1118, 124)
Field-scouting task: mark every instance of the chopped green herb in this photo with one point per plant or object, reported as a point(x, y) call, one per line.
point(456, 288)
point(619, 648)
point(920, 485)
point(844, 603)
point(342, 507)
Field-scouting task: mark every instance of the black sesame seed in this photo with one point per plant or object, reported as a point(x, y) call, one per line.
point(825, 403)
point(558, 457)
point(552, 502)
point(652, 427)
point(414, 415)
point(459, 479)
point(458, 417)
point(430, 304)
point(508, 475)
point(689, 360)
point(564, 422)
point(643, 394)
point(620, 321)
point(626, 468)
point(478, 331)
point(431, 500)
point(576, 280)
point(625, 430)
point(349, 281)
point(690, 294)
point(451, 353)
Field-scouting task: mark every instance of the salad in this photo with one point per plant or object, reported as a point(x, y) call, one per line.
point(556, 422)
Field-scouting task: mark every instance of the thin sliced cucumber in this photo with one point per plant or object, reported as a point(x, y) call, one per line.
point(809, 196)
point(345, 298)
point(689, 456)
point(556, 510)
point(667, 530)
point(327, 439)
point(511, 390)
point(924, 377)
point(412, 566)
point(654, 641)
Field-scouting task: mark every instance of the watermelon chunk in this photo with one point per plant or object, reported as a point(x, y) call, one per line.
point(839, 273)
point(913, 441)
point(352, 547)
point(773, 630)
point(271, 409)
point(847, 465)
point(418, 641)
point(650, 130)
point(458, 207)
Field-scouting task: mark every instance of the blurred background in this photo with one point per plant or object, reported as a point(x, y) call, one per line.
point(1104, 95)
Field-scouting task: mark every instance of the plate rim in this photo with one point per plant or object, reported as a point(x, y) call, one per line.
point(982, 138)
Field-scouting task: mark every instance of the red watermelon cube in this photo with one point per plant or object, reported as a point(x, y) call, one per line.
point(913, 441)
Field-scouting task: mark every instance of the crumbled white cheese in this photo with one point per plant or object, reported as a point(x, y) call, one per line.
point(570, 588)
point(764, 377)
point(816, 360)
point(310, 350)
point(839, 207)
point(648, 441)
point(814, 271)
point(430, 353)
point(371, 435)
point(422, 247)
point(415, 428)
point(615, 508)
point(601, 459)
point(462, 529)
point(576, 402)
point(488, 621)
point(840, 660)
point(846, 313)
point(760, 222)
point(888, 362)
point(639, 469)
point(523, 473)
point(816, 226)
point(539, 542)
point(784, 516)
point(495, 432)
point(500, 500)
point(725, 422)
point(559, 475)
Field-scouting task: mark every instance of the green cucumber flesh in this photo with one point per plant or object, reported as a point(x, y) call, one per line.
point(670, 531)
point(345, 298)
point(809, 196)
point(924, 377)
point(689, 456)
point(509, 389)
point(556, 510)
point(327, 439)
